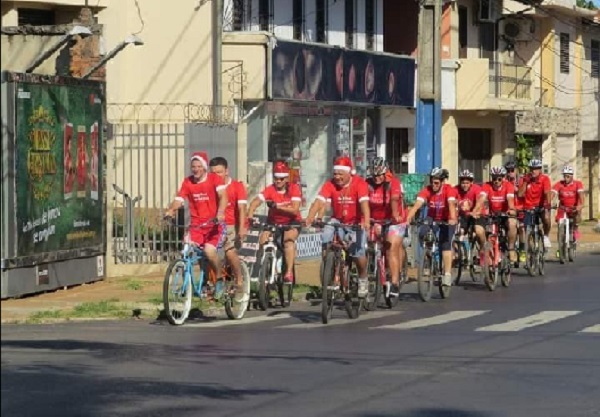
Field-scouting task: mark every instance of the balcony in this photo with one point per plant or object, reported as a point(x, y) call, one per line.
point(481, 84)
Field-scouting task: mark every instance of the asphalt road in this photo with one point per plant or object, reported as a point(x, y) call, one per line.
point(529, 350)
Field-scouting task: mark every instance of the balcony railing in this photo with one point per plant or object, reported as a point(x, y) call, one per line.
point(510, 81)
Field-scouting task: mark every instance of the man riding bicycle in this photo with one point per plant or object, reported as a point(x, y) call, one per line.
point(349, 197)
point(468, 194)
point(570, 193)
point(386, 203)
point(500, 195)
point(536, 191)
point(283, 200)
point(441, 207)
point(235, 214)
point(207, 200)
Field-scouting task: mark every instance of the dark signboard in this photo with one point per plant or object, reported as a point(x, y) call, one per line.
point(319, 73)
point(58, 163)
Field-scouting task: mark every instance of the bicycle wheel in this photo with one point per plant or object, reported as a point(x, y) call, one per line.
point(532, 257)
point(474, 263)
point(490, 271)
point(235, 310)
point(505, 271)
point(264, 292)
point(424, 276)
point(459, 249)
point(285, 290)
point(177, 292)
point(352, 303)
point(327, 289)
point(444, 290)
point(541, 261)
point(562, 243)
point(375, 286)
point(572, 245)
point(392, 301)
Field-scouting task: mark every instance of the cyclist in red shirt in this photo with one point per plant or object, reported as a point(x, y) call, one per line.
point(207, 199)
point(468, 194)
point(441, 206)
point(235, 214)
point(536, 191)
point(570, 193)
point(349, 197)
point(386, 203)
point(283, 199)
point(500, 195)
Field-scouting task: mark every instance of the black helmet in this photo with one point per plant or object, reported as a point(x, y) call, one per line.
point(510, 166)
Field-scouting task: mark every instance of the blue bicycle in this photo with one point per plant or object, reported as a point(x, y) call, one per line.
point(191, 276)
point(430, 268)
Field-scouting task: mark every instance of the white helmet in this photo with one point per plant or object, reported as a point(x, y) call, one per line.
point(568, 169)
point(535, 163)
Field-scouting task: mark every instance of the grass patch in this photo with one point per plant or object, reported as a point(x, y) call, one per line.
point(97, 309)
point(157, 300)
point(133, 285)
point(42, 316)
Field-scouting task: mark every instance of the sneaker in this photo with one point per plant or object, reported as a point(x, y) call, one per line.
point(512, 255)
point(547, 243)
point(240, 297)
point(394, 290)
point(447, 280)
point(522, 256)
point(363, 287)
point(288, 278)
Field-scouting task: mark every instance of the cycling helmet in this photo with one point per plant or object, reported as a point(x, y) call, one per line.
point(437, 172)
point(510, 166)
point(466, 174)
point(379, 166)
point(535, 163)
point(497, 171)
point(567, 169)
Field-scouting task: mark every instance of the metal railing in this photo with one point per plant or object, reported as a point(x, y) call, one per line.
point(510, 81)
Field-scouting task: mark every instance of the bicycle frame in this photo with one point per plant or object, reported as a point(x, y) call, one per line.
point(567, 220)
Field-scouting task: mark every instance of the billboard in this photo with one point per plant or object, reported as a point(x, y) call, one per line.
point(310, 72)
point(58, 165)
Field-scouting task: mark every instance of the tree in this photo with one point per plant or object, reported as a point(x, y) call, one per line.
point(523, 152)
point(586, 4)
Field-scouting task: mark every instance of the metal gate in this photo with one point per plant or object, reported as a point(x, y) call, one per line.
point(147, 153)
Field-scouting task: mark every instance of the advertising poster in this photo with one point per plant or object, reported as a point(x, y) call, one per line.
point(58, 165)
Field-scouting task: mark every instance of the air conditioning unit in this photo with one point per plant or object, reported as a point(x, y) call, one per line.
point(518, 30)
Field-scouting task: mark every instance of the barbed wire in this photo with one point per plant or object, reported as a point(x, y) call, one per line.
point(171, 113)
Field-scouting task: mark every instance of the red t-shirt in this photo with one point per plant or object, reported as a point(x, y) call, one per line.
point(467, 200)
point(202, 197)
point(236, 196)
point(380, 198)
point(438, 204)
point(568, 194)
point(535, 193)
point(518, 202)
point(345, 201)
point(498, 199)
point(283, 199)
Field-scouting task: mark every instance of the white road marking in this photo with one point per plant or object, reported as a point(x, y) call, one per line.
point(435, 320)
point(372, 315)
point(245, 320)
point(543, 317)
point(591, 329)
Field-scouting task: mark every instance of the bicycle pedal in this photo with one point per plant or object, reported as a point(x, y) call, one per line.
point(333, 288)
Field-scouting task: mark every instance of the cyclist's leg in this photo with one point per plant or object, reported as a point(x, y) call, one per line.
point(289, 242)
point(357, 251)
point(231, 254)
point(511, 233)
point(547, 224)
point(445, 241)
point(395, 251)
point(576, 221)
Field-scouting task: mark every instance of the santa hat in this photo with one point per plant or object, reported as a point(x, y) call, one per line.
point(343, 163)
point(281, 170)
point(202, 157)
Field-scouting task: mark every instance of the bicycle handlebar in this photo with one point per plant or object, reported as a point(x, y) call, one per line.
point(321, 224)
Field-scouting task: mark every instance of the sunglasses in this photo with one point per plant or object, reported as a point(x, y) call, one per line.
point(497, 179)
point(277, 179)
point(510, 170)
point(435, 182)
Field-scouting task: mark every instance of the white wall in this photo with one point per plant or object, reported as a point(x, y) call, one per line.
point(588, 129)
point(398, 118)
point(565, 90)
point(337, 34)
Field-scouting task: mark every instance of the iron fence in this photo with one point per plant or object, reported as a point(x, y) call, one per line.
point(510, 81)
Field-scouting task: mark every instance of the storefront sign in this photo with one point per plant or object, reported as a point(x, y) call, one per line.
point(318, 73)
point(58, 165)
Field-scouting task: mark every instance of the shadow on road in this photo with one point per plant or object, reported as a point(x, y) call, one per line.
point(431, 412)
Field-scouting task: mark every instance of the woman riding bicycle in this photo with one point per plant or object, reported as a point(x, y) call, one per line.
point(283, 200)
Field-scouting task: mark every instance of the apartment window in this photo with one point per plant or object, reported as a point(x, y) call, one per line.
point(265, 15)
point(237, 22)
point(298, 18)
point(36, 17)
point(396, 149)
point(463, 30)
point(349, 23)
point(564, 53)
point(595, 49)
point(487, 40)
point(370, 24)
point(322, 8)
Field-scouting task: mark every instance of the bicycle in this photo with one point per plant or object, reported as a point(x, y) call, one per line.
point(495, 262)
point(534, 242)
point(273, 266)
point(336, 280)
point(431, 261)
point(182, 283)
point(467, 250)
point(567, 245)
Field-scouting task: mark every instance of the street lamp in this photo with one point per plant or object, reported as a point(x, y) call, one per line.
point(130, 40)
point(77, 30)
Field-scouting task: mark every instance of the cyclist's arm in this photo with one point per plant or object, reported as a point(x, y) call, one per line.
point(293, 209)
point(522, 188)
point(222, 194)
point(366, 211)
point(395, 206)
point(413, 210)
point(254, 204)
point(453, 218)
point(481, 199)
point(174, 206)
point(315, 208)
point(580, 199)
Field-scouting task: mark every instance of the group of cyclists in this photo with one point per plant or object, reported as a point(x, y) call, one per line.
point(365, 203)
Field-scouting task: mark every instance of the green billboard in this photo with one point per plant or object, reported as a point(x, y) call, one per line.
point(58, 162)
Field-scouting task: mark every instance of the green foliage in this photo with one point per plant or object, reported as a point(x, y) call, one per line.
point(523, 151)
point(586, 4)
point(134, 285)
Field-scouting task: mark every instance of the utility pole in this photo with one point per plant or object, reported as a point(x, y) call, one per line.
point(217, 44)
point(429, 94)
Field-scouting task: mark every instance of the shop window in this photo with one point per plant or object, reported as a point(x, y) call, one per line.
point(321, 20)
point(36, 17)
point(397, 148)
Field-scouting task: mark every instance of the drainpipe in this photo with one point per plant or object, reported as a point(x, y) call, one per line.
point(217, 43)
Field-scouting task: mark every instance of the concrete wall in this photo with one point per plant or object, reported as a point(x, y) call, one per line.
point(566, 91)
point(590, 87)
point(244, 65)
point(472, 84)
point(398, 118)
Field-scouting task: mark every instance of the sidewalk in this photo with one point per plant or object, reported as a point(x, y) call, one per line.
point(142, 296)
